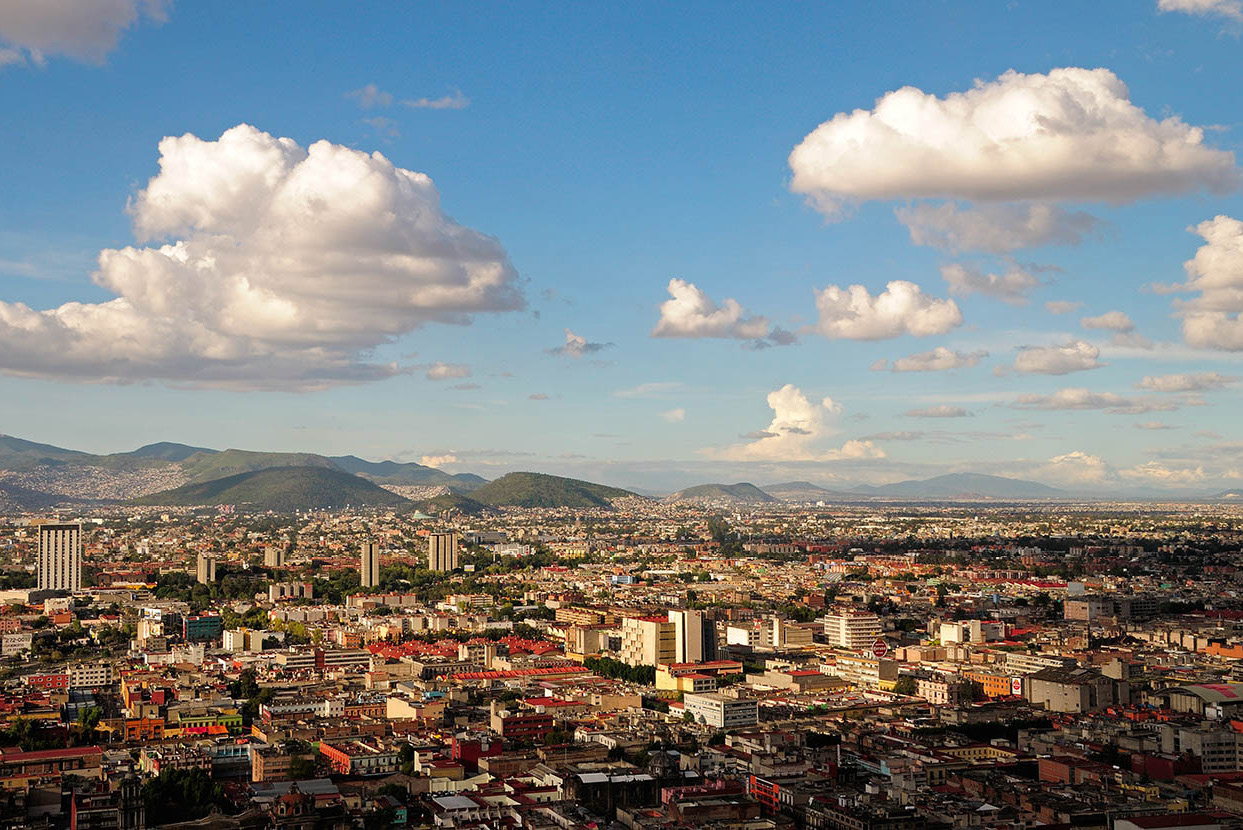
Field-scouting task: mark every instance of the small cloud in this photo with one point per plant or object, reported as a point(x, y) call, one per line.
point(576, 346)
point(384, 127)
point(370, 96)
point(1062, 306)
point(465, 387)
point(537, 396)
point(453, 101)
point(674, 416)
point(1075, 356)
point(447, 371)
point(1193, 382)
point(941, 411)
point(1153, 425)
point(1109, 321)
point(649, 390)
point(437, 460)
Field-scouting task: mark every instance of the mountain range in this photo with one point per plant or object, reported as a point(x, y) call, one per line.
point(36, 476)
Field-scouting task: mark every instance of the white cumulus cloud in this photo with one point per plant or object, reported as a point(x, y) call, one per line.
point(1011, 287)
point(998, 228)
point(796, 432)
point(902, 308)
point(1072, 134)
point(85, 31)
point(1109, 321)
point(272, 265)
point(1212, 320)
point(1075, 356)
point(691, 313)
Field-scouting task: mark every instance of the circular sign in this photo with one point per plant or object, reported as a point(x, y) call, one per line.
point(879, 649)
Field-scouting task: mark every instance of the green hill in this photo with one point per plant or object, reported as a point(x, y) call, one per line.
point(741, 493)
point(209, 466)
point(167, 451)
point(396, 472)
point(540, 490)
point(457, 502)
point(282, 489)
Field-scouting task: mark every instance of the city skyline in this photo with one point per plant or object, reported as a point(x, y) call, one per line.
point(653, 247)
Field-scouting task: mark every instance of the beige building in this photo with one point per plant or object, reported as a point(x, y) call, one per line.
point(648, 641)
point(442, 552)
point(370, 555)
point(851, 629)
point(206, 571)
point(60, 557)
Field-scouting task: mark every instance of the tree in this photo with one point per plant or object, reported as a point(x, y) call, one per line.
point(906, 685)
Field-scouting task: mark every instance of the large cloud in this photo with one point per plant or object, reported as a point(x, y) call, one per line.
point(1212, 320)
point(281, 266)
point(1072, 134)
point(1011, 287)
point(995, 228)
point(1075, 356)
point(691, 313)
point(85, 31)
point(902, 308)
point(797, 428)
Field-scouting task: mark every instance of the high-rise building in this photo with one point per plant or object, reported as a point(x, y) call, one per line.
point(688, 632)
point(370, 565)
point(60, 557)
point(442, 552)
point(273, 556)
point(851, 629)
point(206, 573)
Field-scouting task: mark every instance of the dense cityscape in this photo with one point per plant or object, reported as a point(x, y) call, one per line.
point(651, 664)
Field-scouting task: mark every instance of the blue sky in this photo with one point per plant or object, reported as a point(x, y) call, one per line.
point(589, 155)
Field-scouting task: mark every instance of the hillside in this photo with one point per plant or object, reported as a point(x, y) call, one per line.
point(741, 493)
point(282, 489)
point(209, 466)
point(965, 486)
point(455, 502)
point(167, 451)
point(805, 491)
point(540, 490)
point(405, 473)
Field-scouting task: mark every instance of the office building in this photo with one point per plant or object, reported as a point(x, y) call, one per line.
point(370, 564)
point(60, 557)
point(442, 552)
point(851, 629)
point(206, 569)
point(648, 641)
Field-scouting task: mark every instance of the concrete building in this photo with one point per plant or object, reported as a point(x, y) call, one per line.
point(722, 712)
point(442, 552)
point(60, 557)
point(688, 632)
point(851, 629)
point(206, 572)
point(370, 569)
point(273, 556)
point(1075, 690)
point(648, 641)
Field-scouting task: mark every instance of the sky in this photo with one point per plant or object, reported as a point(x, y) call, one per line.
point(647, 244)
